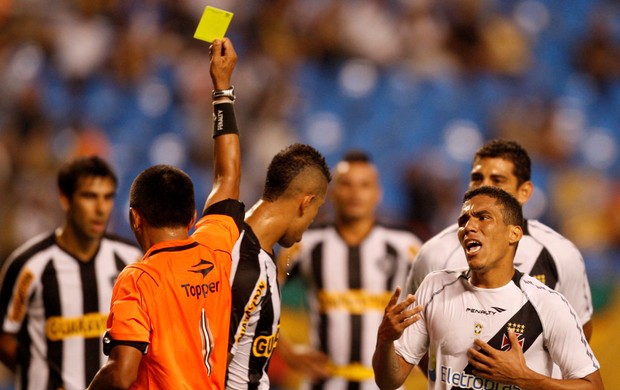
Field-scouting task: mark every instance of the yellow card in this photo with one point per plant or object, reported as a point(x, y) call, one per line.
point(213, 24)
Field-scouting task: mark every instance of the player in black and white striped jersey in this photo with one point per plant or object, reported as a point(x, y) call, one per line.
point(55, 289)
point(351, 266)
point(295, 188)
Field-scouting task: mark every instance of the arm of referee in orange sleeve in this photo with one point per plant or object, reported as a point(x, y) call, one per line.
point(227, 154)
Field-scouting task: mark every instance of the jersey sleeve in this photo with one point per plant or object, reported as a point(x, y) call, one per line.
point(220, 226)
point(574, 285)
point(129, 319)
point(246, 292)
point(565, 340)
point(17, 285)
point(422, 266)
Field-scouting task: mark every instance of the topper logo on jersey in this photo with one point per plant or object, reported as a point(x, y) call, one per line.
point(201, 290)
point(485, 312)
point(203, 267)
point(88, 326)
point(263, 346)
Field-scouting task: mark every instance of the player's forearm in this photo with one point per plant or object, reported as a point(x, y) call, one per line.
point(109, 378)
point(227, 168)
point(390, 369)
point(8, 350)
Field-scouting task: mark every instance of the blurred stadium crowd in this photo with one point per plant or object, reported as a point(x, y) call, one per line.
point(420, 84)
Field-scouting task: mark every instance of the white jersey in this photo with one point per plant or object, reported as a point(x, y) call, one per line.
point(255, 316)
point(456, 313)
point(58, 307)
point(349, 289)
point(542, 253)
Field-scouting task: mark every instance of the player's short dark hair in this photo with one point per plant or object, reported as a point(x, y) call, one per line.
point(289, 163)
point(357, 155)
point(511, 151)
point(164, 196)
point(512, 210)
point(87, 166)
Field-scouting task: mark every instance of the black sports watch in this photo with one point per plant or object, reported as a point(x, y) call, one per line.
point(229, 93)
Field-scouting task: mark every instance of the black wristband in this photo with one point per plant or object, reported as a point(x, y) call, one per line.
point(224, 121)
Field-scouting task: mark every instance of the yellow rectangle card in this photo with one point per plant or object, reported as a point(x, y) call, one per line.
point(213, 24)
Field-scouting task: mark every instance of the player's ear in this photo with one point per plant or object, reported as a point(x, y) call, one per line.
point(192, 221)
point(135, 220)
point(306, 201)
point(516, 232)
point(524, 192)
point(65, 202)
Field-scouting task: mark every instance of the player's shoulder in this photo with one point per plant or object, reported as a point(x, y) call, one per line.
point(30, 249)
point(550, 239)
point(545, 299)
point(449, 275)
point(397, 231)
point(248, 244)
point(140, 271)
point(445, 241)
point(319, 231)
point(438, 281)
point(537, 290)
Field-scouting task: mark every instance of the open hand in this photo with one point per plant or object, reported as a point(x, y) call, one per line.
point(397, 317)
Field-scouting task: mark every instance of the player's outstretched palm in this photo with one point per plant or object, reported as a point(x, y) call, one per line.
point(397, 317)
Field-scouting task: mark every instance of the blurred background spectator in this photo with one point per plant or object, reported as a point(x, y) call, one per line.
point(419, 83)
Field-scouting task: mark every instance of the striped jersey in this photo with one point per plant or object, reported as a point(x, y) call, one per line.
point(349, 289)
point(58, 306)
point(456, 313)
point(175, 305)
point(542, 253)
point(255, 317)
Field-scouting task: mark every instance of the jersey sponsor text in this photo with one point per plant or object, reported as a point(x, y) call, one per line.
point(353, 301)
point(90, 325)
point(201, 290)
point(468, 381)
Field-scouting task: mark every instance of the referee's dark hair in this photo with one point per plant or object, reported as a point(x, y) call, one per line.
point(511, 151)
point(512, 211)
point(164, 196)
point(87, 166)
point(288, 164)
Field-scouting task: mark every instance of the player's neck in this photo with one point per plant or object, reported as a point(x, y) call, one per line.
point(267, 223)
point(152, 235)
point(354, 231)
point(494, 278)
point(78, 245)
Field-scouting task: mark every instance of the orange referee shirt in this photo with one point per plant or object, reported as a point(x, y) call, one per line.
point(178, 300)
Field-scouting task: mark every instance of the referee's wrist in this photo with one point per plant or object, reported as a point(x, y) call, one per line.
point(228, 93)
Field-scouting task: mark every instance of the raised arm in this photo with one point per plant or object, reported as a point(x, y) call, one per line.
point(390, 369)
point(227, 154)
